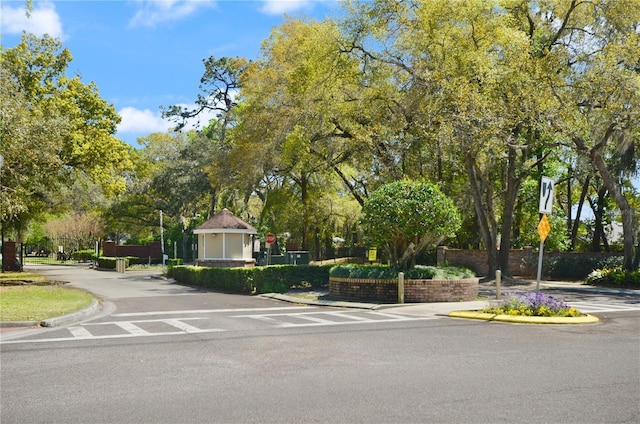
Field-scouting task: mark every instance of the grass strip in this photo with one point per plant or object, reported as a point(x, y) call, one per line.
point(36, 303)
point(20, 276)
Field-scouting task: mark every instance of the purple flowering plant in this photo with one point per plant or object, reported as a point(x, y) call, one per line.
point(533, 304)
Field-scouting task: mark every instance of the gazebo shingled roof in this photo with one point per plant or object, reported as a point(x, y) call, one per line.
point(225, 220)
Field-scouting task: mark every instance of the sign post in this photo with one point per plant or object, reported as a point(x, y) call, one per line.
point(269, 239)
point(544, 228)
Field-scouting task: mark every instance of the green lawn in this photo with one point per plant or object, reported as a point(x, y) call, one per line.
point(39, 302)
point(20, 276)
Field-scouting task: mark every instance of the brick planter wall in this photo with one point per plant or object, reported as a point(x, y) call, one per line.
point(415, 291)
point(228, 263)
point(363, 289)
point(418, 291)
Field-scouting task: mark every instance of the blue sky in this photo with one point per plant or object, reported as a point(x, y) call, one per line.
point(146, 53)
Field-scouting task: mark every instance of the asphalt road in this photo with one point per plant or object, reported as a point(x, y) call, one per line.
point(269, 362)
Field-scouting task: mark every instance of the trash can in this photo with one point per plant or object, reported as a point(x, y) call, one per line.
point(298, 257)
point(121, 264)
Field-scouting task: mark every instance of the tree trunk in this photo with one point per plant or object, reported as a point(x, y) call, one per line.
point(576, 221)
point(484, 214)
point(569, 204)
point(511, 195)
point(304, 182)
point(628, 215)
point(598, 211)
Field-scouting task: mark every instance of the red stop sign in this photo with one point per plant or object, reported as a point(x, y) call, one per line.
point(270, 238)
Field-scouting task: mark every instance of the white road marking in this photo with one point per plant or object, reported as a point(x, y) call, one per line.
point(183, 326)
point(131, 328)
point(110, 336)
point(210, 311)
point(317, 321)
point(603, 307)
point(80, 332)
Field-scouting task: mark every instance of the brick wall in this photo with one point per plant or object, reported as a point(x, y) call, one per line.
point(418, 291)
point(153, 250)
point(363, 289)
point(227, 263)
point(415, 291)
point(477, 259)
point(522, 262)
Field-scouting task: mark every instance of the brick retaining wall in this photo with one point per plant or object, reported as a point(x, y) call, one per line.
point(419, 291)
point(151, 250)
point(415, 291)
point(227, 263)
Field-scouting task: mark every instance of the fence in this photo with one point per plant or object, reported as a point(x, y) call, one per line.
point(54, 250)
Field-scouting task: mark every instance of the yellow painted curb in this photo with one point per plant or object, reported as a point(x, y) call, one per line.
point(587, 319)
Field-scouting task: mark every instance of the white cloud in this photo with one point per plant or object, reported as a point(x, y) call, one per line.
point(153, 12)
point(278, 7)
point(142, 121)
point(43, 19)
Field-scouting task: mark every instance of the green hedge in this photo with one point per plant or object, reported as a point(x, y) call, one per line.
point(384, 272)
point(86, 255)
point(109, 262)
point(614, 277)
point(174, 262)
point(134, 260)
point(256, 280)
point(577, 268)
point(571, 267)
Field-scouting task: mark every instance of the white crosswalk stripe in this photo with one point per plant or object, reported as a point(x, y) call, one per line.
point(320, 318)
point(170, 323)
point(131, 328)
point(588, 307)
point(80, 332)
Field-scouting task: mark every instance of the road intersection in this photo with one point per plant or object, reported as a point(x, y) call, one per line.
point(142, 304)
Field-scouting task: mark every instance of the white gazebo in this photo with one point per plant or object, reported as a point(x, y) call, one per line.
point(225, 241)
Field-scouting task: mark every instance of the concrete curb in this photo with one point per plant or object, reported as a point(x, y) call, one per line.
point(587, 319)
point(11, 324)
point(73, 317)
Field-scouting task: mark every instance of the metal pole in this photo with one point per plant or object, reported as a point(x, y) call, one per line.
point(162, 238)
point(401, 287)
point(539, 267)
point(498, 280)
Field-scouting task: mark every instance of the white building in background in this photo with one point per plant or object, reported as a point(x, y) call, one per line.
point(225, 241)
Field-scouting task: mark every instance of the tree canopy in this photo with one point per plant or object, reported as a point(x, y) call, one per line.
point(478, 98)
point(406, 217)
point(54, 131)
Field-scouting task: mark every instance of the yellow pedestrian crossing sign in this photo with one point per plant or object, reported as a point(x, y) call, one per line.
point(544, 228)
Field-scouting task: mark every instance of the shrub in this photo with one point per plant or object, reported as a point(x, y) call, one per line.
point(577, 267)
point(614, 277)
point(406, 217)
point(383, 272)
point(174, 262)
point(135, 260)
point(279, 278)
point(84, 255)
point(109, 262)
point(569, 266)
